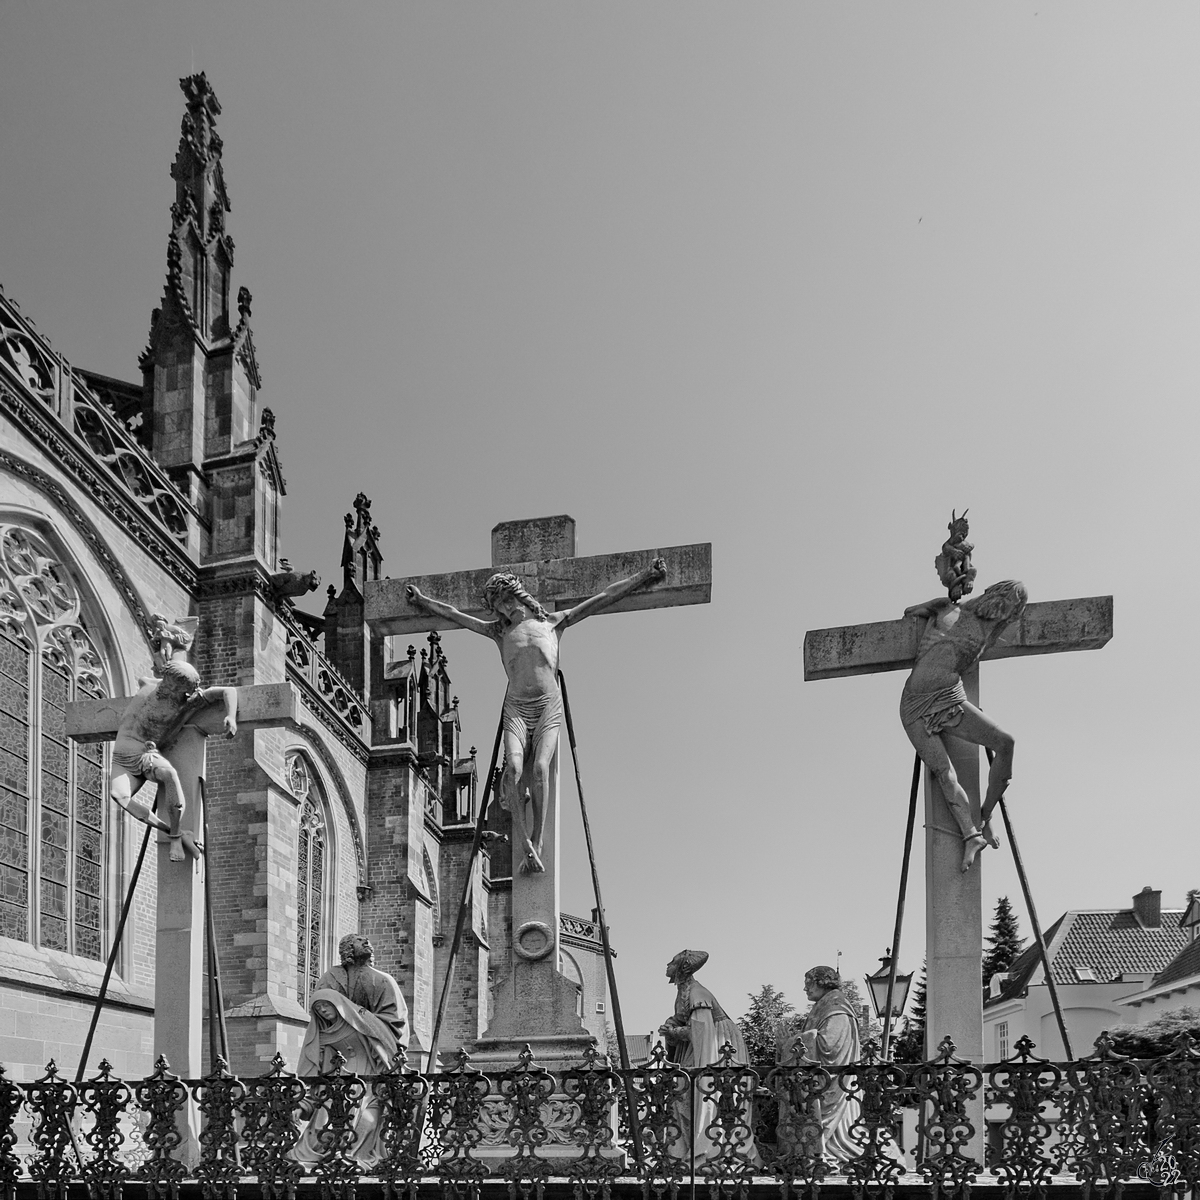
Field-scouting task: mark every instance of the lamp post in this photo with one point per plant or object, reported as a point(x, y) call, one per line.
point(884, 983)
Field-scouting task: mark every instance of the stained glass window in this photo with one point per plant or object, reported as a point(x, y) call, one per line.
point(310, 878)
point(53, 831)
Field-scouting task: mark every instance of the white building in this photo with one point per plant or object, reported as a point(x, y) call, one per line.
point(1102, 960)
point(1177, 985)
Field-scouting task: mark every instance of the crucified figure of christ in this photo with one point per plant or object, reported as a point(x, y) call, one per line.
point(934, 702)
point(528, 637)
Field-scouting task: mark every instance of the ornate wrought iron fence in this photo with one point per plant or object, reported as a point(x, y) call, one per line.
point(1099, 1123)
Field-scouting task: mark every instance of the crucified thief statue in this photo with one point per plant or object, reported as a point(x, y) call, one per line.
point(528, 637)
point(934, 702)
point(151, 722)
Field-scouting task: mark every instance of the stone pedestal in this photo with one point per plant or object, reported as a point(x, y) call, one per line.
point(534, 1003)
point(179, 940)
point(954, 920)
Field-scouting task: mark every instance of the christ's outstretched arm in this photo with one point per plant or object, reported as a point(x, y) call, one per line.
point(419, 600)
point(615, 591)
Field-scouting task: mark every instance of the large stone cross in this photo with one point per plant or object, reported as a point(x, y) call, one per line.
point(179, 938)
point(533, 1002)
point(953, 899)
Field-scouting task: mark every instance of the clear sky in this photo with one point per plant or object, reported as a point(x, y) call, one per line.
point(795, 279)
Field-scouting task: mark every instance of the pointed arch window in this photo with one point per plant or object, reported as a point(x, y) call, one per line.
point(311, 871)
point(53, 820)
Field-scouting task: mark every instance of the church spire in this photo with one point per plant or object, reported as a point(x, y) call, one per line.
point(200, 373)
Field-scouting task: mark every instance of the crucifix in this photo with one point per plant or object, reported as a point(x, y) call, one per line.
point(178, 765)
point(956, 826)
point(533, 589)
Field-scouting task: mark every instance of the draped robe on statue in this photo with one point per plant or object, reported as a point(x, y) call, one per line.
point(709, 1028)
point(829, 1037)
point(368, 1043)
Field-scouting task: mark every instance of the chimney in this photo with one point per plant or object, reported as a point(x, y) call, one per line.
point(1147, 908)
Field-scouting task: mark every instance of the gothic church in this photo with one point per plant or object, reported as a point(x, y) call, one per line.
point(119, 500)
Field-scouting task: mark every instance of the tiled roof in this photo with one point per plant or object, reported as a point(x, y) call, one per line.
point(1183, 965)
point(1110, 942)
point(638, 1046)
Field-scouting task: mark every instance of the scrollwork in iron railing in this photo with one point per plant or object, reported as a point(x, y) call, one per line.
point(663, 1099)
point(105, 1099)
point(1102, 1125)
point(798, 1162)
point(270, 1131)
point(456, 1121)
point(725, 1095)
point(341, 1128)
point(1030, 1087)
point(944, 1087)
point(10, 1109)
point(527, 1089)
point(52, 1102)
point(880, 1090)
point(402, 1096)
point(219, 1096)
point(1175, 1082)
point(162, 1096)
point(595, 1089)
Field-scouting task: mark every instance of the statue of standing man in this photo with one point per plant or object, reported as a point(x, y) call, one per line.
point(528, 638)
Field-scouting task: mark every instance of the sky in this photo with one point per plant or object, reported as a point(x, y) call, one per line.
point(793, 278)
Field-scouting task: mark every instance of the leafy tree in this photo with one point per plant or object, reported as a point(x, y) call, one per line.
point(909, 1044)
point(1157, 1037)
point(769, 1014)
point(868, 1027)
point(1004, 942)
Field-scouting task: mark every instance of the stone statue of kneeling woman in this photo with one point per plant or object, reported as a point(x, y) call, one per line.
point(368, 1046)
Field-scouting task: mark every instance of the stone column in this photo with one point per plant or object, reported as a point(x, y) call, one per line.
point(534, 1002)
point(954, 920)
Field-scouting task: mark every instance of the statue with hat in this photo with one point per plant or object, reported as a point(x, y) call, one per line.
point(695, 1034)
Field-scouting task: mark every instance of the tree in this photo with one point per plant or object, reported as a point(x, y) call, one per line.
point(1157, 1037)
point(868, 1027)
point(909, 1045)
point(1004, 942)
point(768, 1014)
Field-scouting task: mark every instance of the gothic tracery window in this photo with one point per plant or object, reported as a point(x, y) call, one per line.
point(310, 877)
point(53, 819)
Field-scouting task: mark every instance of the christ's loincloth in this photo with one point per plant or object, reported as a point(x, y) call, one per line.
point(937, 711)
point(529, 721)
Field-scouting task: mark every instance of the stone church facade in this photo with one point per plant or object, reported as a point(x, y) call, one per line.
point(119, 500)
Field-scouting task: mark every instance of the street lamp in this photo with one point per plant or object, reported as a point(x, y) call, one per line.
point(877, 985)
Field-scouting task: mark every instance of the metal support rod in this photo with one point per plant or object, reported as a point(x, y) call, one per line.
point(622, 1048)
point(216, 1003)
point(114, 950)
point(895, 951)
point(1037, 927)
point(466, 895)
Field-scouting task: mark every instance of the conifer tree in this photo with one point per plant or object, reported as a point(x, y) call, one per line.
point(768, 1011)
point(1004, 941)
point(909, 1045)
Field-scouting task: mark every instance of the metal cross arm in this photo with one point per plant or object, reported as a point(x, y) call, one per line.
point(557, 583)
point(1048, 627)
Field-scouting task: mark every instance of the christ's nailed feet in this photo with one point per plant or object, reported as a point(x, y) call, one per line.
point(972, 845)
point(532, 863)
point(989, 836)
